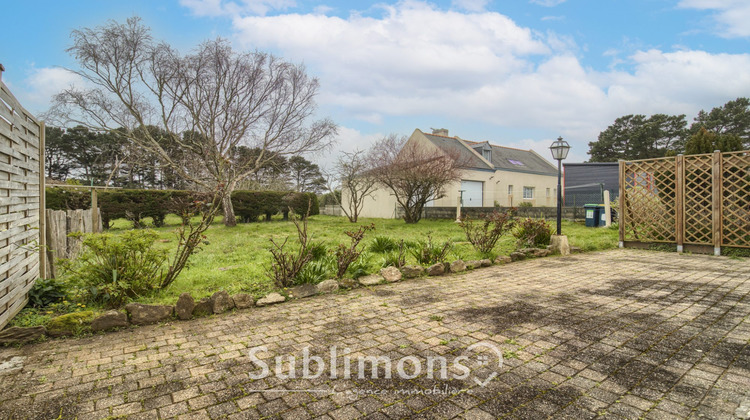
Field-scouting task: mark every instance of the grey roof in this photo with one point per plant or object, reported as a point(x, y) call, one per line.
point(452, 145)
point(508, 158)
point(503, 158)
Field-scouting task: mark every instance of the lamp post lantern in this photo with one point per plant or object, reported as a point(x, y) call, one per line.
point(559, 151)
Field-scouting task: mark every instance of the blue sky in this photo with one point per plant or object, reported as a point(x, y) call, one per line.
point(514, 72)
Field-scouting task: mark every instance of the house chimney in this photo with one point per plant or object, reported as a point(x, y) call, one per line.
point(2, 69)
point(440, 131)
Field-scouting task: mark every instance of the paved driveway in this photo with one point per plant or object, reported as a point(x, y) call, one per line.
point(619, 334)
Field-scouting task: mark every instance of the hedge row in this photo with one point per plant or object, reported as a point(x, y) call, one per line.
point(249, 205)
point(135, 205)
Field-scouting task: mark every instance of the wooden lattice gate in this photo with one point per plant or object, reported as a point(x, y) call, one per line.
point(699, 202)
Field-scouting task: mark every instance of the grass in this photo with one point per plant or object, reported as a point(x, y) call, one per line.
point(235, 259)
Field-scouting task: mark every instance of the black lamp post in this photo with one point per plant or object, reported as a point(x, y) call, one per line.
point(559, 151)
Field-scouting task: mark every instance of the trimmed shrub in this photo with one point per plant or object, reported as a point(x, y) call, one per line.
point(135, 205)
point(533, 233)
point(67, 199)
point(250, 205)
point(299, 202)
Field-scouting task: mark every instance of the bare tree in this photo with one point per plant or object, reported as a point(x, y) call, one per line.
point(354, 171)
point(413, 172)
point(210, 102)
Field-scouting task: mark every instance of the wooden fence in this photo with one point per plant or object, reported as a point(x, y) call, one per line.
point(700, 203)
point(21, 180)
point(59, 224)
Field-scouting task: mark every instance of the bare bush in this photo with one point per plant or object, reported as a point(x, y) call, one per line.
point(413, 172)
point(490, 227)
point(354, 172)
point(346, 255)
point(286, 265)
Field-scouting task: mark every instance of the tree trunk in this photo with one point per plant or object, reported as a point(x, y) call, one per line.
point(409, 216)
point(412, 214)
point(229, 217)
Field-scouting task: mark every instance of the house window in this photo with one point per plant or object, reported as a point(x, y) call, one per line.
point(487, 154)
point(510, 190)
point(548, 193)
point(528, 193)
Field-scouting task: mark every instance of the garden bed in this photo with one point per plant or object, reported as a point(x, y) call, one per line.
point(236, 259)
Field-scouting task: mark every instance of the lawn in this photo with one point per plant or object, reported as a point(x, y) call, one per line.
point(236, 258)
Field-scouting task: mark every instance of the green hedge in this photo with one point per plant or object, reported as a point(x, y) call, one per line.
point(250, 205)
point(135, 205)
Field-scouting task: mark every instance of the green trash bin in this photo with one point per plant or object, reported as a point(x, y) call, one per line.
point(592, 215)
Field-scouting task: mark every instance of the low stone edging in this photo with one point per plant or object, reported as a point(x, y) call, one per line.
point(187, 307)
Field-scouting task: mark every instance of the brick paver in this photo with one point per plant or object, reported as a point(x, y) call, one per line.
point(618, 334)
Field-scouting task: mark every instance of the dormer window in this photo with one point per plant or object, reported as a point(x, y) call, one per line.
point(487, 154)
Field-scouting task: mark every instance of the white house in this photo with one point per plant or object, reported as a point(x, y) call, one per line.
point(492, 175)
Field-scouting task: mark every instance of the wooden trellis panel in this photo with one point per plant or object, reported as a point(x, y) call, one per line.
point(736, 199)
point(701, 200)
point(650, 201)
point(20, 180)
point(698, 213)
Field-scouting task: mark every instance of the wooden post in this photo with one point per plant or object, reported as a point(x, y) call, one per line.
point(716, 193)
point(607, 209)
point(458, 207)
point(679, 201)
point(42, 206)
point(622, 198)
point(94, 211)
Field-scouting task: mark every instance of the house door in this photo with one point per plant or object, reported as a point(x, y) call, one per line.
point(472, 193)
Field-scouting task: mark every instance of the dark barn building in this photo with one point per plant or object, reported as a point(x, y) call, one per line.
point(584, 182)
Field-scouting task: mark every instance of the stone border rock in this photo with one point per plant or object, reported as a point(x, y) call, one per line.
point(187, 308)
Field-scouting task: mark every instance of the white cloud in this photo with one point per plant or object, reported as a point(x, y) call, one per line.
point(421, 63)
point(470, 5)
point(323, 9)
point(37, 90)
point(731, 16)
point(549, 18)
point(413, 49)
point(230, 8)
point(347, 140)
point(547, 3)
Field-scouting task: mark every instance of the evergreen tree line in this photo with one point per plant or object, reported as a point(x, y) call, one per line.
point(80, 156)
point(725, 128)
